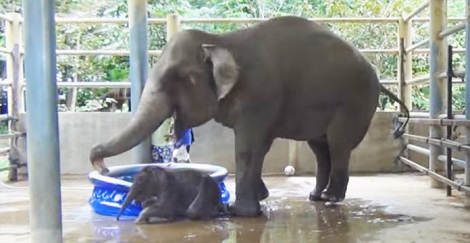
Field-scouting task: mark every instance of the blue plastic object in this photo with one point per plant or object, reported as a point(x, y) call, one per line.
point(110, 191)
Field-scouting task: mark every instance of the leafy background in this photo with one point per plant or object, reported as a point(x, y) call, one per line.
point(115, 36)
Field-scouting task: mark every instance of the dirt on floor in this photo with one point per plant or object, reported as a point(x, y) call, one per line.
point(378, 208)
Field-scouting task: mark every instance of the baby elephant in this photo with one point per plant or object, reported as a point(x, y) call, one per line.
point(169, 194)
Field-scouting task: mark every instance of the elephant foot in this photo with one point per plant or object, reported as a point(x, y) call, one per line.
point(331, 197)
point(150, 220)
point(314, 196)
point(245, 209)
point(223, 209)
point(149, 202)
point(141, 220)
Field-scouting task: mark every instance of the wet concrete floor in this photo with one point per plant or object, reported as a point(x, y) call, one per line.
point(378, 208)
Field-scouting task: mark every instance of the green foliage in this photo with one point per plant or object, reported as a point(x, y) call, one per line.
point(115, 36)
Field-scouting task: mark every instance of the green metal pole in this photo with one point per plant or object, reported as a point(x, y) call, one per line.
point(138, 59)
point(42, 122)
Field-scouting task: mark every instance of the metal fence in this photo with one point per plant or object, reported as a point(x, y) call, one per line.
point(440, 82)
point(404, 51)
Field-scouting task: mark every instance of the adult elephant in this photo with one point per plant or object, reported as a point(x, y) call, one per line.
point(284, 78)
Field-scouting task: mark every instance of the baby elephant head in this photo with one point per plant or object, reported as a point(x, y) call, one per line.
point(147, 183)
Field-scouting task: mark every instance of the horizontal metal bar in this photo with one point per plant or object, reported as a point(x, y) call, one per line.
point(11, 135)
point(416, 11)
point(224, 20)
point(458, 74)
point(126, 84)
point(442, 158)
point(417, 45)
point(388, 81)
point(103, 52)
point(441, 122)
point(418, 149)
point(415, 114)
point(93, 84)
point(452, 30)
point(105, 20)
point(385, 51)
point(439, 142)
point(5, 150)
point(424, 19)
point(158, 52)
point(5, 50)
point(458, 162)
point(426, 50)
point(442, 75)
point(324, 20)
point(239, 20)
point(4, 17)
point(435, 175)
point(358, 19)
point(417, 80)
point(426, 115)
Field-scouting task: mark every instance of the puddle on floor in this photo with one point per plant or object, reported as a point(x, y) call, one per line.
point(288, 217)
point(284, 220)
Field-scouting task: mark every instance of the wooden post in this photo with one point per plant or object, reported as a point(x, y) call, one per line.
point(405, 61)
point(437, 62)
point(14, 65)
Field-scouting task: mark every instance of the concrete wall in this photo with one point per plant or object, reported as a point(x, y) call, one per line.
point(215, 145)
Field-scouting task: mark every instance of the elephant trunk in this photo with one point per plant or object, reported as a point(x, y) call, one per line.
point(154, 107)
point(130, 196)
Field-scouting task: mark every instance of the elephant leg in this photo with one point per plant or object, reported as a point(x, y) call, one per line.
point(206, 203)
point(251, 145)
point(322, 153)
point(345, 132)
point(263, 191)
point(161, 211)
point(155, 214)
point(148, 202)
point(339, 176)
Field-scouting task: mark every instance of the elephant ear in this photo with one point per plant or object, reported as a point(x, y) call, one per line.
point(225, 69)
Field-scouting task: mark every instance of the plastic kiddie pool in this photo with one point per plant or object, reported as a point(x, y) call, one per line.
point(111, 190)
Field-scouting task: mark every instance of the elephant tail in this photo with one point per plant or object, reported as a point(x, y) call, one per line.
point(401, 129)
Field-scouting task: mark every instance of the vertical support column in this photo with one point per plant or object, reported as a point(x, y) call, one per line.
point(467, 97)
point(293, 152)
point(173, 25)
point(14, 61)
point(14, 76)
point(437, 61)
point(405, 62)
point(42, 122)
point(138, 73)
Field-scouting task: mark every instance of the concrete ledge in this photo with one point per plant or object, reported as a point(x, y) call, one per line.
point(215, 145)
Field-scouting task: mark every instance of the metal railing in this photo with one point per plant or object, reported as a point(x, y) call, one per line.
point(440, 97)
